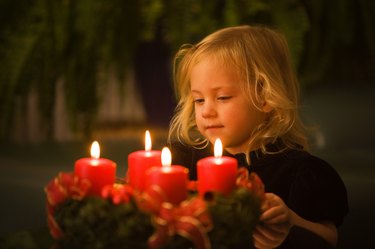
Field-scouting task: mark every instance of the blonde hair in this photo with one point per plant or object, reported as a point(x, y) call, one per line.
point(260, 57)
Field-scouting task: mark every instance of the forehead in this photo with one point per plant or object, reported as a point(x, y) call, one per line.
point(203, 55)
point(209, 65)
point(222, 58)
point(212, 75)
point(213, 61)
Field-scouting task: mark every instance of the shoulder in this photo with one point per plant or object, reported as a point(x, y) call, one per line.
point(296, 160)
point(311, 166)
point(317, 191)
point(292, 161)
point(296, 168)
point(312, 171)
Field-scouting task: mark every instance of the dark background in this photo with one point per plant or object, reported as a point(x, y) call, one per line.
point(333, 48)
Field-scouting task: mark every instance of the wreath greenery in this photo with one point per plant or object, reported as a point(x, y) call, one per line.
point(123, 218)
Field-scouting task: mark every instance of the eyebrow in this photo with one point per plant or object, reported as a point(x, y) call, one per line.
point(215, 89)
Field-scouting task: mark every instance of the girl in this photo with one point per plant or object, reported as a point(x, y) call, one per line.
point(238, 85)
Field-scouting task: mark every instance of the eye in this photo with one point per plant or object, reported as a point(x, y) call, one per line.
point(198, 100)
point(223, 98)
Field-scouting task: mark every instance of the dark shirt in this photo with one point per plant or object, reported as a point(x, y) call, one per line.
point(307, 184)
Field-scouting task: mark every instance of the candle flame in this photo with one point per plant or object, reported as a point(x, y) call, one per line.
point(218, 148)
point(148, 143)
point(95, 150)
point(166, 157)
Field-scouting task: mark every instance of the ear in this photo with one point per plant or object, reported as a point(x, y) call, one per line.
point(259, 86)
point(266, 107)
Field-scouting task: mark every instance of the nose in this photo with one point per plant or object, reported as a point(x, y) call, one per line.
point(208, 109)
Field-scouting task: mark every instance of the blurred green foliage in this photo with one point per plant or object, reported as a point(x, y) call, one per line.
point(81, 41)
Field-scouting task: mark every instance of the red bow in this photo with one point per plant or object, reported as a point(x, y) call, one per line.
point(190, 220)
point(62, 187)
point(119, 193)
point(151, 200)
point(251, 182)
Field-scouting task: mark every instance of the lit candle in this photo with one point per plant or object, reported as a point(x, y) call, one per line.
point(99, 171)
point(140, 161)
point(217, 173)
point(172, 180)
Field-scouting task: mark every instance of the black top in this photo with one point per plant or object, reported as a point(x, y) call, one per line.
point(307, 184)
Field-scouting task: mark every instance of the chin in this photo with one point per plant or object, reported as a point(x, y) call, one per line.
point(211, 139)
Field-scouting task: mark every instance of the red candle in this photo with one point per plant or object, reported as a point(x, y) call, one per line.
point(140, 161)
point(171, 180)
point(99, 171)
point(217, 173)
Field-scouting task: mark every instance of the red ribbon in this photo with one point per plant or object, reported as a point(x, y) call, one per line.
point(190, 220)
point(251, 182)
point(151, 200)
point(62, 187)
point(118, 193)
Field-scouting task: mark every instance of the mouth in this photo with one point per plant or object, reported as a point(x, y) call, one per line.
point(213, 127)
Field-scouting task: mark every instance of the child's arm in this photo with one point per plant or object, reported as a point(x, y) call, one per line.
point(278, 219)
point(275, 223)
point(326, 230)
point(270, 236)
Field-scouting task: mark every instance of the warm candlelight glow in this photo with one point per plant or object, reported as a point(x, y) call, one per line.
point(140, 161)
point(98, 171)
point(172, 180)
point(166, 157)
point(218, 148)
point(148, 143)
point(95, 150)
point(217, 173)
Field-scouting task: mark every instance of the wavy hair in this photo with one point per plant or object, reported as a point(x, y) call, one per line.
point(260, 56)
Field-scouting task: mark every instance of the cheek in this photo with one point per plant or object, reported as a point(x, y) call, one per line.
point(198, 120)
point(243, 116)
point(254, 118)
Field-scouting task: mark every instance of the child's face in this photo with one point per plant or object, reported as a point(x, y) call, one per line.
point(222, 109)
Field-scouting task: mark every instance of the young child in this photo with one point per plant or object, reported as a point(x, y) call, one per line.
point(238, 85)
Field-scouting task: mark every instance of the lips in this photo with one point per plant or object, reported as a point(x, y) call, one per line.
point(212, 127)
